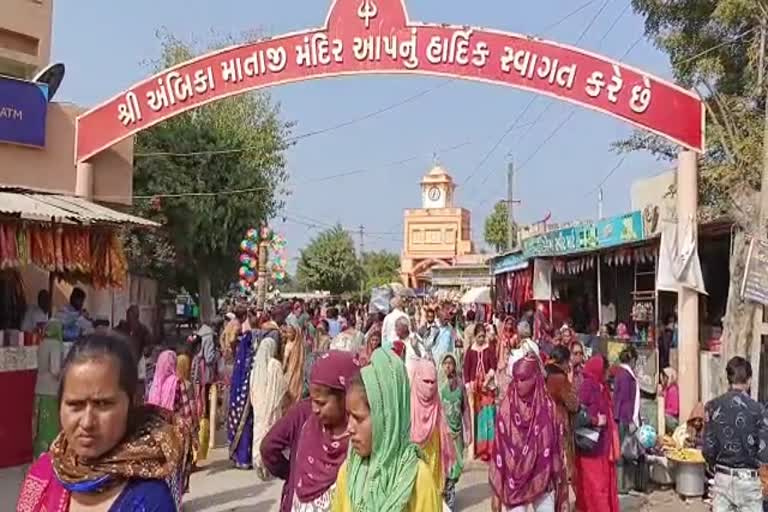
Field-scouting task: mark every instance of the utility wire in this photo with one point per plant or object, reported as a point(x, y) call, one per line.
point(607, 176)
point(394, 163)
point(530, 103)
point(734, 39)
point(566, 17)
point(306, 135)
point(503, 136)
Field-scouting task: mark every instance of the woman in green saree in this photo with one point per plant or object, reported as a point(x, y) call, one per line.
point(457, 415)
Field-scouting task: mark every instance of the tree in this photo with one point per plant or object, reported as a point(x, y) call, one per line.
point(714, 48)
point(496, 227)
point(717, 48)
point(205, 230)
point(380, 268)
point(329, 263)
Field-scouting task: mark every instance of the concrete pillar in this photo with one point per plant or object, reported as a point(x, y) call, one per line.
point(84, 180)
point(687, 299)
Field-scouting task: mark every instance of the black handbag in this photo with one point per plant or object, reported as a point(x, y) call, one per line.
point(586, 436)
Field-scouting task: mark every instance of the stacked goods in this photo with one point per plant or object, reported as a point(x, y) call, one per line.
point(64, 249)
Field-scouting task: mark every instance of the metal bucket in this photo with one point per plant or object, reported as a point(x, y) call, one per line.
point(689, 479)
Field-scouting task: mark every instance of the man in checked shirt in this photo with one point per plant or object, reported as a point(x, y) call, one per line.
point(736, 442)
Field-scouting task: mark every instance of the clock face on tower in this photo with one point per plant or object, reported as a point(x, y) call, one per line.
point(434, 194)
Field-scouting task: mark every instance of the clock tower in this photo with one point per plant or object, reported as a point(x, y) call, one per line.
point(437, 189)
point(436, 235)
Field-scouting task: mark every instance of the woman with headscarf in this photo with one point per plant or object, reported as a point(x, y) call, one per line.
point(184, 408)
point(268, 389)
point(429, 428)
point(294, 354)
point(479, 379)
point(49, 359)
point(314, 431)
point(691, 433)
point(203, 375)
point(383, 471)
point(457, 415)
point(566, 402)
point(372, 343)
point(596, 481)
point(507, 343)
point(171, 390)
point(577, 365)
point(127, 461)
point(671, 399)
point(527, 466)
point(240, 420)
point(626, 399)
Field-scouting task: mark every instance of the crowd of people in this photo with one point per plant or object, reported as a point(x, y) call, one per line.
point(353, 410)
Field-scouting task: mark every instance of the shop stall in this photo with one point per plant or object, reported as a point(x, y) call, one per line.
point(70, 239)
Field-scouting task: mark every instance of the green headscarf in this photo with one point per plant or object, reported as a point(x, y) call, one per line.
point(453, 401)
point(54, 330)
point(384, 481)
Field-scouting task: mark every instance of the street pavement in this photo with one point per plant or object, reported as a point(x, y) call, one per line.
point(217, 487)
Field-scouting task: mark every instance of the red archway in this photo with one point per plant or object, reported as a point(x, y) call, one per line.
point(376, 36)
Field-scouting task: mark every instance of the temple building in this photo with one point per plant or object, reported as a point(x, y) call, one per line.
point(438, 236)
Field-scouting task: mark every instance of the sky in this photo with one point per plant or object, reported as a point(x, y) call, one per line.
point(106, 47)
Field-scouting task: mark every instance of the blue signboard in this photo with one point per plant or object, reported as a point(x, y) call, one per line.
point(602, 234)
point(23, 108)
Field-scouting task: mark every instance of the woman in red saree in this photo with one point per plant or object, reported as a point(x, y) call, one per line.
point(507, 343)
point(596, 483)
point(479, 378)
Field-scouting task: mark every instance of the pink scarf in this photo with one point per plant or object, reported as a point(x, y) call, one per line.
point(41, 491)
point(163, 390)
point(427, 412)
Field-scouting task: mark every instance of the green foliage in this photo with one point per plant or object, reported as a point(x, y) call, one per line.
point(496, 227)
point(329, 263)
point(204, 230)
point(380, 268)
point(693, 34)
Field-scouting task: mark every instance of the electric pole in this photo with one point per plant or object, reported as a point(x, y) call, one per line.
point(600, 203)
point(362, 248)
point(511, 228)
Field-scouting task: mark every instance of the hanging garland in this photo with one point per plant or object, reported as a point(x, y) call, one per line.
point(249, 257)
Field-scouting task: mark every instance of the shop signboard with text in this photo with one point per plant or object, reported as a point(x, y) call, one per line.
point(23, 109)
point(368, 37)
point(602, 234)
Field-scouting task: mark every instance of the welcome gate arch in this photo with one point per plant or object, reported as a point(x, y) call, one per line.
point(362, 37)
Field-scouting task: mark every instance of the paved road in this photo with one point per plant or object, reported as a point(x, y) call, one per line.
point(217, 487)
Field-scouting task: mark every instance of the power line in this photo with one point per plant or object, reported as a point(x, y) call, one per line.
point(584, 32)
point(311, 223)
point(735, 39)
point(607, 176)
point(567, 16)
point(512, 126)
point(306, 135)
point(309, 181)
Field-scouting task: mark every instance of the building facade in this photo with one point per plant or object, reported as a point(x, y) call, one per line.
point(47, 164)
point(436, 235)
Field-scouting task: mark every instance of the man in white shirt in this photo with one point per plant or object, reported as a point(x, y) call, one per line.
point(37, 314)
point(414, 348)
point(388, 331)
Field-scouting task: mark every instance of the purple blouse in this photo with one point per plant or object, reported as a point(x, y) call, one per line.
point(285, 435)
point(624, 395)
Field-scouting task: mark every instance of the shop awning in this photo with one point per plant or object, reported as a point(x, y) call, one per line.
point(480, 295)
point(60, 208)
